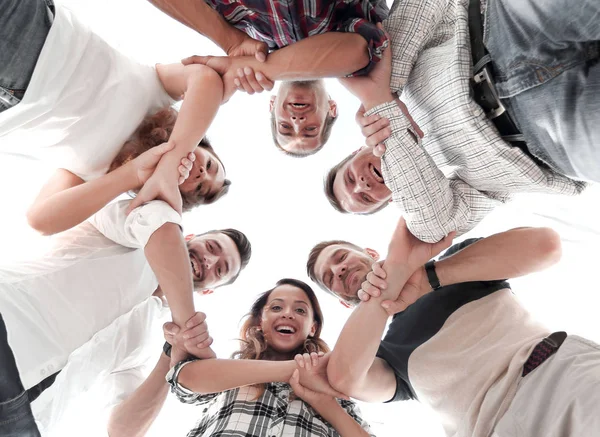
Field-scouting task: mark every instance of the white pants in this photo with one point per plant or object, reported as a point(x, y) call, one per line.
point(560, 398)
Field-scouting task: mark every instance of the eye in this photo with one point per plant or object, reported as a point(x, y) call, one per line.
point(301, 311)
point(275, 308)
point(219, 271)
point(367, 198)
point(286, 126)
point(208, 164)
point(344, 256)
point(198, 188)
point(209, 247)
point(350, 178)
point(311, 129)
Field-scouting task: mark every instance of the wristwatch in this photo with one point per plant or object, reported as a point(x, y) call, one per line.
point(167, 349)
point(432, 276)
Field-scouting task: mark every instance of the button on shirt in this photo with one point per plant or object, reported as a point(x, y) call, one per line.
point(93, 274)
point(280, 23)
point(462, 169)
point(276, 413)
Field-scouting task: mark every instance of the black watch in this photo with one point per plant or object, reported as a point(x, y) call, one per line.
point(432, 276)
point(167, 349)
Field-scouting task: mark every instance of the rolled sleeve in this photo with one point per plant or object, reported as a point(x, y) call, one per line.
point(134, 230)
point(377, 42)
point(185, 395)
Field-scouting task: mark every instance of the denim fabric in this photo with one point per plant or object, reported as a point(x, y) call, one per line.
point(546, 61)
point(24, 26)
point(16, 419)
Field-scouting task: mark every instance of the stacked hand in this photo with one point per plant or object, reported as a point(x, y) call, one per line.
point(145, 164)
point(193, 340)
point(309, 381)
point(235, 72)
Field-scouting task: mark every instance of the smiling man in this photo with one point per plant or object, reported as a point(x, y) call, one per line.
point(302, 115)
point(95, 274)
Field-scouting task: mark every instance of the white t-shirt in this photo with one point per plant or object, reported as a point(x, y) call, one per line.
point(95, 272)
point(85, 99)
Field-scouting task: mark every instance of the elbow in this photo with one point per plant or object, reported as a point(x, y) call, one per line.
point(37, 221)
point(198, 73)
point(548, 245)
point(340, 377)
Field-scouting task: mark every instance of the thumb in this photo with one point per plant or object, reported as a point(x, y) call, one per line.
point(261, 52)
point(195, 60)
point(295, 379)
point(379, 150)
point(171, 328)
point(392, 307)
point(135, 202)
point(163, 148)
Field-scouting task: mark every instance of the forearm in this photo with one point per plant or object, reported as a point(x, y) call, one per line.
point(509, 254)
point(168, 257)
point(217, 375)
point(332, 54)
point(66, 209)
point(341, 421)
point(197, 15)
point(133, 416)
point(349, 366)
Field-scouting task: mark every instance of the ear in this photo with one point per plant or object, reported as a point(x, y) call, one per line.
point(206, 292)
point(272, 103)
point(313, 329)
point(344, 304)
point(333, 108)
point(189, 237)
point(372, 253)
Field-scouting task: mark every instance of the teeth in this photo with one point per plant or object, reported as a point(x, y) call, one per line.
point(376, 173)
point(283, 328)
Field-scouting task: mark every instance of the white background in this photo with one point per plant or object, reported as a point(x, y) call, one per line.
point(278, 202)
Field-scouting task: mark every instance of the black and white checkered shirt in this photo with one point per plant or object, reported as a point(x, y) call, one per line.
point(461, 169)
point(239, 413)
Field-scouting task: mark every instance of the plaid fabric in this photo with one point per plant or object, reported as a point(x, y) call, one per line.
point(280, 23)
point(461, 169)
point(239, 413)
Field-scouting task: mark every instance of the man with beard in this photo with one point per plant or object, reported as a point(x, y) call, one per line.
point(96, 273)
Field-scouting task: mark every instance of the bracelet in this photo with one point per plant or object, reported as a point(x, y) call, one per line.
point(432, 276)
point(167, 349)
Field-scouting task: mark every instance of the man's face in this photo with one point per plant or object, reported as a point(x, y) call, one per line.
point(342, 269)
point(300, 110)
point(214, 258)
point(359, 185)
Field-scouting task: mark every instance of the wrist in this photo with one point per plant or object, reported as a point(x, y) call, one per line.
point(375, 100)
point(128, 174)
point(326, 407)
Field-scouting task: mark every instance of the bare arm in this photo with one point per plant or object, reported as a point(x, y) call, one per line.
point(341, 421)
point(67, 200)
point(134, 416)
point(197, 15)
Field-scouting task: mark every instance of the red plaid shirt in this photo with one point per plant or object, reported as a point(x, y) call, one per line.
point(282, 22)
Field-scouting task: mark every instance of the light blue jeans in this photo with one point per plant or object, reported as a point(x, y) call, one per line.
point(546, 57)
point(24, 26)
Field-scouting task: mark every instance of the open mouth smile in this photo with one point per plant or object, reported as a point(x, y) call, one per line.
point(285, 330)
point(376, 173)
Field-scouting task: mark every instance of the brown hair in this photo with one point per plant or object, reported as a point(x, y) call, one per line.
point(253, 345)
point(312, 261)
point(154, 130)
point(325, 134)
point(328, 182)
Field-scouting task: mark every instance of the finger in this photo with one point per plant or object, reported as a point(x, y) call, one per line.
point(307, 362)
point(321, 353)
point(184, 172)
point(363, 296)
point(137, 201)
point(295, 380)
point(261, 52)
point(197, 341)
point(379, 137)
point(266, 83)
point(375, 127)
point(368, 120)
point(444, 243)
point(196, 319)
point(192, 156)
point(379, 150)
point(370, 289)
point(392, 307)
point(314, 358)
point(206, 343)
point(163, 148)
point(197, 330)
point(375, 281)
point(187, 163)
point(244, 82)
point(360, 112)
point(299, 360)
point(251, 78)
point(378, 270)
point(195, 60)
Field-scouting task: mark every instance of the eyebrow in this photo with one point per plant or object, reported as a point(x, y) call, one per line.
point(296, 301)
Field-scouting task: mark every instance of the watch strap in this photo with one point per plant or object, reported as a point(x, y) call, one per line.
point(432, 276)
point(167, 349)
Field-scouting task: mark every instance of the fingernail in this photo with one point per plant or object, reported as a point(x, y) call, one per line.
point(385, 305)
point(259, 76)
point(236, 82)
point(240, 72)
point(247, 70)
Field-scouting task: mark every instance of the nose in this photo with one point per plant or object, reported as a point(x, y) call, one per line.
point(298, 119)
point(362, 184)
point(339, 270)
point(209, 260)
point(288, 313)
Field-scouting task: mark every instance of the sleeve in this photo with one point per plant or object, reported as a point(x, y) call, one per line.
point(133, 230)
point(432, 204)
point(354, 411)
point(183, 394)
point(376, 41)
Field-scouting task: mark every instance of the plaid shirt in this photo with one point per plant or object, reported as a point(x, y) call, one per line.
point(280, 23)
point(239, 413)
point(461, 169)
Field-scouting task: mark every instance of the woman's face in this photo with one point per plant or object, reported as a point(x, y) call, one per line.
point(287, 319)
point(206, 176)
